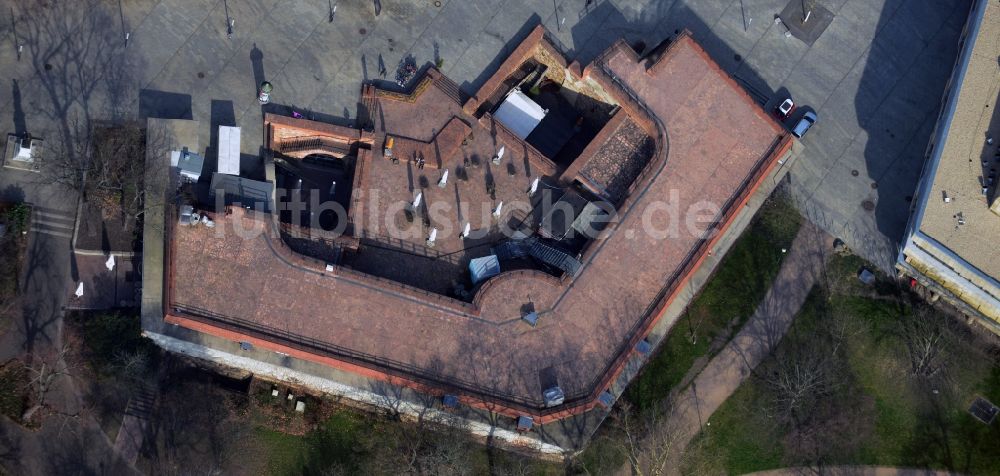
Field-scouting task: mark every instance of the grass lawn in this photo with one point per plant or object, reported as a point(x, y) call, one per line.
point(350, 442)
point(892, 418)
point(603, 454)
point(724, 304)
point(285, 453)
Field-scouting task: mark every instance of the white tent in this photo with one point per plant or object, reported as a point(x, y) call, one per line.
point(229, 150)
point(519, 114)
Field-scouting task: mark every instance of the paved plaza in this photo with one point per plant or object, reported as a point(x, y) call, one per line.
point(875, 75)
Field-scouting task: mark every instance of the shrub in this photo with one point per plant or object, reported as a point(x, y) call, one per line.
point(114, 342)
point(17, 217)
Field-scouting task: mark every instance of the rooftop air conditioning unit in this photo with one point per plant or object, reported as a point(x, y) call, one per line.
point(553, 396)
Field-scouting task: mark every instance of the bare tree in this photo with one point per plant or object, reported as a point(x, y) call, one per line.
point(422, 443)
point(43, 373)
point(842, 327)
point(9, 306)
point(115, 174)
point(198, 428)
point(106, 163)
point(445, 453)
point(809, 392)
point(648, 440)
point(389, 398)
point(73, 48)
point(335, 469)
point(926, 336)
point(798, 379)
point(518, 465)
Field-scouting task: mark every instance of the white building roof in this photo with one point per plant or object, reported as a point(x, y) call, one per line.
point(229, 150)
point(519, 114)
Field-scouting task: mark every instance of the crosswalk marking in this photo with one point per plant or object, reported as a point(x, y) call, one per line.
point(52, 222)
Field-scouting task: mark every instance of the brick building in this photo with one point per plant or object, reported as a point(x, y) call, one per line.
point(430, 181)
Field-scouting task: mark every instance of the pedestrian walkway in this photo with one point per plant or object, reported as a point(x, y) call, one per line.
point(853, 471)
point(801, 269)
point(52, 222)
point(133, 429)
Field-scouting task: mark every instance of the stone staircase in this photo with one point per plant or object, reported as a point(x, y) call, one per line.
point(539, 250)
point(141, 403)
point(367, 108)
point(553, 256)
point(449, 88)
point(132, 431)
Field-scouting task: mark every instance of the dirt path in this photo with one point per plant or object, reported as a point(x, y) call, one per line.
point(852, 471)
point(801, 269)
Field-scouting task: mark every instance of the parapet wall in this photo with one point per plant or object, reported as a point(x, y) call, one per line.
point(390, 371)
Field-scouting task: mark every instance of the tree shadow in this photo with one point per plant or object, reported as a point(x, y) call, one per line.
point(470, 88)
point(40, 318)
point(105, 241)
point(12, 193)
point(257, 63)
point(82, 71)
point(898, 122)
point(20, 127)
point(10, 447)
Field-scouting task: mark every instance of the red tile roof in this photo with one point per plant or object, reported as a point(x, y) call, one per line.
point(718, 146)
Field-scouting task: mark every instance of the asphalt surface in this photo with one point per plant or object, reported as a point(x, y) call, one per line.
point(875, 75)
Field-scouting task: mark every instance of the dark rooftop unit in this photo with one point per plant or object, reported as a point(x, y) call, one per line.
point(573, 214)
point(249, 193)
point(547, 253)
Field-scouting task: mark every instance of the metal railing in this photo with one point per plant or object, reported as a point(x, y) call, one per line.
point(457, 384)
point(446, 383)
point(403, 246)
point(726, 212)
point(309, 142)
